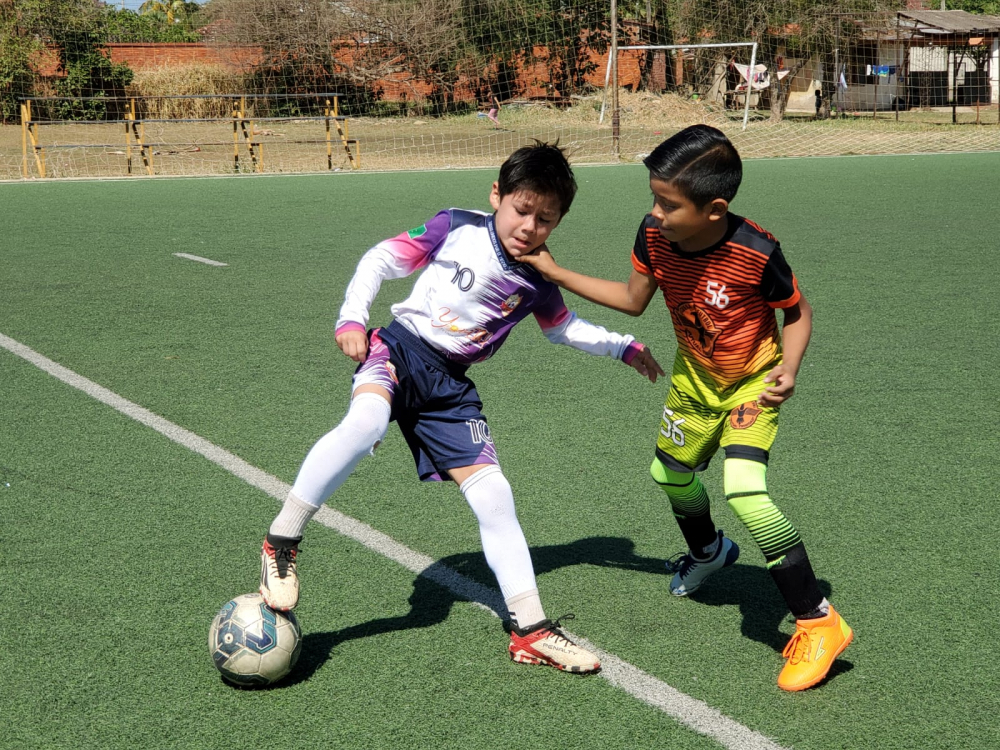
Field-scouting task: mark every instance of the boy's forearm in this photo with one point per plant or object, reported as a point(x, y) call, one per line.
point(613, 294)
point(795, 342)
point(795, 334)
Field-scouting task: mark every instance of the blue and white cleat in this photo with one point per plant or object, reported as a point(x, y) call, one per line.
point(690, 572)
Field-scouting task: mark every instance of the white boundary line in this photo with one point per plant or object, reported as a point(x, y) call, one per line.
point(690, 712)
point(198, 258)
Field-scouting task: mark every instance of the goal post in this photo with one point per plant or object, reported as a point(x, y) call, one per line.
point(613, 65)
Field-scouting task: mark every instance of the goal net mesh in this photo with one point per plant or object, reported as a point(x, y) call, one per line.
point(311, 86)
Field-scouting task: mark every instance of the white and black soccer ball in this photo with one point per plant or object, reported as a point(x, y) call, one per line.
point(252, 644)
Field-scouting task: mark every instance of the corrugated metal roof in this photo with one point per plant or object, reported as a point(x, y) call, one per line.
point(951, 21)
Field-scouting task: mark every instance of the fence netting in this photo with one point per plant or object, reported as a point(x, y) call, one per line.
point(88, 89)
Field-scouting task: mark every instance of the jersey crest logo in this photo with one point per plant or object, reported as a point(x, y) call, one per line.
point(698, 328)
point(744, 415)
point(510, 304)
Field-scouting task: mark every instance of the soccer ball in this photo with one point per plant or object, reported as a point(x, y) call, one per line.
point(252, 644)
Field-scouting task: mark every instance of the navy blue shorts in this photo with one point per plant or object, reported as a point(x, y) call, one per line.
point(434, 403)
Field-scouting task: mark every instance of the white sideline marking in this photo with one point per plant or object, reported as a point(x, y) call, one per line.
point(692, 713)
point(200, 259)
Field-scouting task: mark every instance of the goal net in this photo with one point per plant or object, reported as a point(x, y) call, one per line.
point(311, 86)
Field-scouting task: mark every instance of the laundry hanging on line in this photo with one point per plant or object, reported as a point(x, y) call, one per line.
point(882, 71)
point(761, 77)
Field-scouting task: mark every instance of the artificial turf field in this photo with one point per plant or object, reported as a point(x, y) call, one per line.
point(121, 543)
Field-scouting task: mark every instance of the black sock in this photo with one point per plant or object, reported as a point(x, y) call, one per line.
point(794, 576)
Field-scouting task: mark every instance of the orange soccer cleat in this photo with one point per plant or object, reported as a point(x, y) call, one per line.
point(812, 650)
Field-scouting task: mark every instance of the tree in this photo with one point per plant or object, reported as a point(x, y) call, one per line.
point(171, 11)
point(657, 26)
point(293, 38)
point(90, 79)
point(987, 7)
point(17, 49)
point(128, 26)
point(411, 40)
point(505, 35)
point(74, 31)
point(314, 45)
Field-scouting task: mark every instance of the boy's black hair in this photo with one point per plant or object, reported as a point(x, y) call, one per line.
point(701, 162)
point(542, 168)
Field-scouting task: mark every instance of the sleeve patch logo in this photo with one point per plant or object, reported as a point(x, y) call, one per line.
point(414, 233)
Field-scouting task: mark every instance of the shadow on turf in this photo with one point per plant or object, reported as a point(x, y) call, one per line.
point(747, 586)
point(751, 588)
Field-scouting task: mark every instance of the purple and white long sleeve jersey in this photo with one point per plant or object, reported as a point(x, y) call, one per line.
point(470, 294)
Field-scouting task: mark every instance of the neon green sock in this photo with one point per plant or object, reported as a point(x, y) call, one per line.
point(689, 501)
point(746, 493)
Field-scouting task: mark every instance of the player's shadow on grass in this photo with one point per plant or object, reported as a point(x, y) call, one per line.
point(751, 588)
point(433, 594)
point(747, 586)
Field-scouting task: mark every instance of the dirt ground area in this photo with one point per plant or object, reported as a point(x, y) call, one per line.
point(81, 150)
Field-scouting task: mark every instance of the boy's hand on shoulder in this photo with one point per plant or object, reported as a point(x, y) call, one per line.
point(354, 344)
point(646, 365)
point(541, 260)
point(782, 387)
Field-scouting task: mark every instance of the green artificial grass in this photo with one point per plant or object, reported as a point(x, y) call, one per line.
point(122, 544)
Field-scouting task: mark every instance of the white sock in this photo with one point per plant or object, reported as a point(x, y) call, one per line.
point(338, 452)
point(525, 609)
point(292, 519)
point(491, 499)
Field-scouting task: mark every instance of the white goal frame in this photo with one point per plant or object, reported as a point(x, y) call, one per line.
point(753, 62)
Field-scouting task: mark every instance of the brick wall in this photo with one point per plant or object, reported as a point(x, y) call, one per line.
point(534, 79)
point(149, 55)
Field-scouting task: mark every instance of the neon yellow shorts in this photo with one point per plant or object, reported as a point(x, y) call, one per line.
point(691, 433)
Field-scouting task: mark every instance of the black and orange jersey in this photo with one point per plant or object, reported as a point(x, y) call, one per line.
point(722, 302)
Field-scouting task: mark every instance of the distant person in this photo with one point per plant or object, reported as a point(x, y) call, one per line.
point(468, 297)
point(494, 113)
point(822, 106)
point(723, 279)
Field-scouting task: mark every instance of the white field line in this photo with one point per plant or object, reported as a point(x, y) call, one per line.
point(690, 712)
point(200, 259)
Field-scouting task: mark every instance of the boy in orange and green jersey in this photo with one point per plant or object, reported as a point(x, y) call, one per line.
point(723, 278)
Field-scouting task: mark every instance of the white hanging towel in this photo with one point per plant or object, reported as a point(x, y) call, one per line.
point(761, 78)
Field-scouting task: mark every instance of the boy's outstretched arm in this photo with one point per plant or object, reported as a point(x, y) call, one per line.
point(630, 297)
point(795, 335)
point(561, 326)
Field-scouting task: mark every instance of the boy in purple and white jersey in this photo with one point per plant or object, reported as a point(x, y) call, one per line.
point(471, 292)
